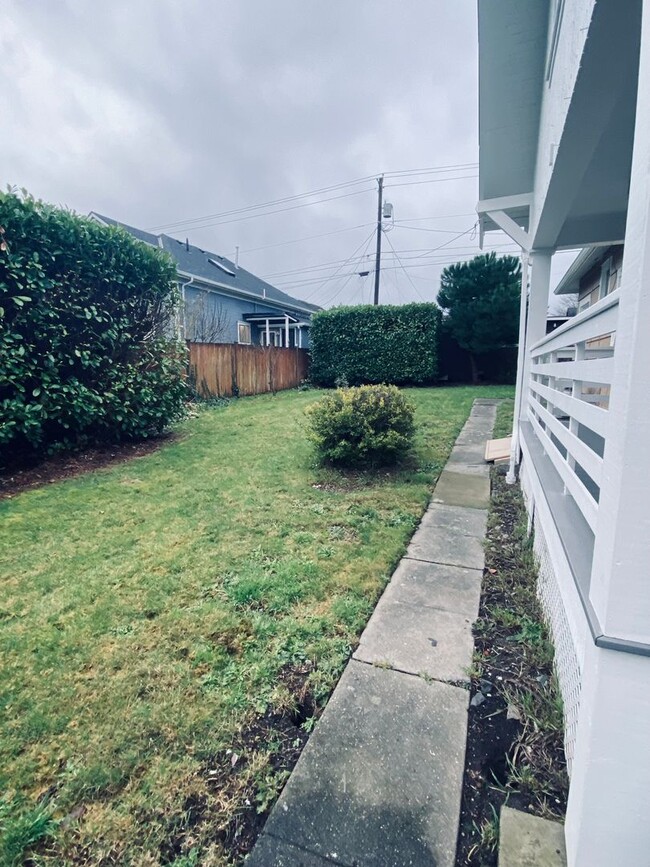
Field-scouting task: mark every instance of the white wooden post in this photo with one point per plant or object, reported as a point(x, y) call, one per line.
point(286, 332)
point(300, 337)
point(540, 279)
point(268, 334)
point(521, 357)
point(609, 800)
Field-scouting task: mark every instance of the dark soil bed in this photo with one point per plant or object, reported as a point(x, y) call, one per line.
point(515, 752)
point(278, 735)
point(23, 475)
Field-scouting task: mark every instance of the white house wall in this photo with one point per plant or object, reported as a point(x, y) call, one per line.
point(556, 92)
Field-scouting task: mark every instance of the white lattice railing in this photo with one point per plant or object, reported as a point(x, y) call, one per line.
point(568, 399)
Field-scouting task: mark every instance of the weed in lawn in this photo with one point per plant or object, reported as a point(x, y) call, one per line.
point(21, 829)
point(152, 610)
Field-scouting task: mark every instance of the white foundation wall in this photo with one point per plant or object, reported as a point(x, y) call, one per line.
point(554, 580)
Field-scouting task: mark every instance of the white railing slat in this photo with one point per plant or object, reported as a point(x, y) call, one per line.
point(598, 370)
point(580, 494)
point(595, 321)
point(586, 413)
point(590, 462)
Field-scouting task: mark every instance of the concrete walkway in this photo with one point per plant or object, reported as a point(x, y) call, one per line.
point(379, 782)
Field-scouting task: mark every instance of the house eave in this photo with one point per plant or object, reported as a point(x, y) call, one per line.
point(214, 285)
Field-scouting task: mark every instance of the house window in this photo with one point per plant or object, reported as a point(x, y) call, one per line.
point(244, 333)
point(605, 273)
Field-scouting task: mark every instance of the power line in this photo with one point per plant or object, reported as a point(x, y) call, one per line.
point(277, 211)
point(360, 259)
point(309, 238)
point(423, 253)
point(433, 169)
point(189, 221)
point(400, 225)
point(322, 280)
point(408, 276)
point(349, 259)
point(430, 181)
point(439, 217)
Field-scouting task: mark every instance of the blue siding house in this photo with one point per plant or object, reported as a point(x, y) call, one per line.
point(223, 303)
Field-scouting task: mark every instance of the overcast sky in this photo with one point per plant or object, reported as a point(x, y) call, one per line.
point(161, 112)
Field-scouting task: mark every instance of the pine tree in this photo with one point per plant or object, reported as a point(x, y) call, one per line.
point(480, 304)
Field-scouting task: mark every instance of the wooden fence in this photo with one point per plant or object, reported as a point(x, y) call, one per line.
point(224, 369)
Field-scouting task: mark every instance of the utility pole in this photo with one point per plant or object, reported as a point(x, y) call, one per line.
point(380, 195)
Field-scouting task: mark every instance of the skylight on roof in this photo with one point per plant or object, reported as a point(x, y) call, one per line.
point(222, 267)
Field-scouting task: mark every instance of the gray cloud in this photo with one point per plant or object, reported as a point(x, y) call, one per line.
point(154, 112)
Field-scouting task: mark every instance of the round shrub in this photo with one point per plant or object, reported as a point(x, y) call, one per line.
point(371, 425)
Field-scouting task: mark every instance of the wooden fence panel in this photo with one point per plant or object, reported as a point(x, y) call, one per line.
point(218, 369)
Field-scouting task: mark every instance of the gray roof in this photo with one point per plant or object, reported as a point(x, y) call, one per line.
point(213, 268)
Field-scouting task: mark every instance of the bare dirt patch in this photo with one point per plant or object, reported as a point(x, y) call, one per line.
point(18, 477)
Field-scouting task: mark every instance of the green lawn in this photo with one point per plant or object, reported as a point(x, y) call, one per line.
point(157, 614)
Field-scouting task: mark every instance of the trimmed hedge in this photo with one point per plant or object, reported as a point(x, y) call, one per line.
point(83, 354)
point(371, 425)
point(368, 344)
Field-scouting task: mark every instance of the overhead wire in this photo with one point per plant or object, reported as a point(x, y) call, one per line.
point(271, 213)
point(345, 262)
point(308, 238)
point(429, 181)
point(408, 276)
point(429, 254)
point(431, 264)
point(191, 222)
point(352, 273)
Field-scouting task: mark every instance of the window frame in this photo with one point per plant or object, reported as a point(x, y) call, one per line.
point(247, 325)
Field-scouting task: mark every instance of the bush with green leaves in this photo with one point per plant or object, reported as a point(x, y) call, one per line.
point(369, 344)
point(84, 313)
point(367, 425)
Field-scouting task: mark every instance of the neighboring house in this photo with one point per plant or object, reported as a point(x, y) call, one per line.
point(564, 127)
point(595, 273)
point(223, 303)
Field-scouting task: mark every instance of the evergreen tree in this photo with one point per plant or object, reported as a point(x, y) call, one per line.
point(480, 304)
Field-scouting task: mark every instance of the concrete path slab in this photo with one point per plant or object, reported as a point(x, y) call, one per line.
point(446, 545)
point(418, 640)
point(462, 489)
point(529, 841)
point(469, 459)
point(270, 852)
point(460, 519)
point(379, 783)
point(432, 585)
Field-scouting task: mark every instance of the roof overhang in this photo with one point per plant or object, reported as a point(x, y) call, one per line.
point(199, 282)
point(583, 201)
point(512, 37)
point(584, 261)
point(277, 318)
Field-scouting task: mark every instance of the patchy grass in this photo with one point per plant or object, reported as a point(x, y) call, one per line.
point(515, 751)
point(171, 626)
point(503, 421)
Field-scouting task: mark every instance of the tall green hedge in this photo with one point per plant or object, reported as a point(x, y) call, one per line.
point(84, 310)
point(368, 344)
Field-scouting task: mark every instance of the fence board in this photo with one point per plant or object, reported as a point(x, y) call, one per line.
point(222, 369)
